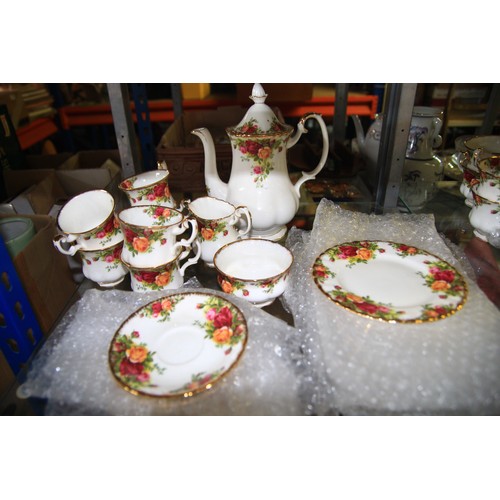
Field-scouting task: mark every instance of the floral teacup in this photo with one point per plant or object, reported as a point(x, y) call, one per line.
point(87, 222)
point(217, 224)
point(167, 276)
point(150, 234)
point(104, 266)
point(148, 188)
point(253, 269)
point(485, 218)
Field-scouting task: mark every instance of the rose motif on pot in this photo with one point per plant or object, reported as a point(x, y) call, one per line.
point(258, 151)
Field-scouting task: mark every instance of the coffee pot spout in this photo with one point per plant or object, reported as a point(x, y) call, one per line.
point(360, 134)
point(214, 184)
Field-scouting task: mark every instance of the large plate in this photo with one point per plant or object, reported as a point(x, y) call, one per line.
point(178, 345)
point(390, 281)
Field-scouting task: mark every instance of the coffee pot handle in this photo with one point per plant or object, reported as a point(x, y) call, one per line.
point(301, 129)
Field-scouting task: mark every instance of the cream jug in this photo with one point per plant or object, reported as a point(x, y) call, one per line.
point(259, 176)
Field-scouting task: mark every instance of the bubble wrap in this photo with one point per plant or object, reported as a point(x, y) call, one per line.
point(451, 366)
point(71, 370)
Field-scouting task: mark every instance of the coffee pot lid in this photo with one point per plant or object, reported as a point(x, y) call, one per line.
point(260, 119)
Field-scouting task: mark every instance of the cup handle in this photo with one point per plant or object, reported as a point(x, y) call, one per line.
point(243, 212)
point(194, 233)
point(192, 260)
point(60, 239)
point(183, 205)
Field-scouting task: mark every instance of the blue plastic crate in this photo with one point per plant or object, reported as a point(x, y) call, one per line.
point(20, 332)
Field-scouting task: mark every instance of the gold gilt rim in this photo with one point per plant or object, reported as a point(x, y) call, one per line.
point(199, 390)
point(132, 188)
point(204, 219)
point(168, 263)
point(153, 226)
point(458, 307)
point(256, 280)
point(277, 133)
point(95, 228)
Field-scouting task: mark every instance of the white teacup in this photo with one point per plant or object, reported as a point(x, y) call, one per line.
point(150, 234)
point(148, 188)
point(484, 216)
point(104, 266)
point(87, 222)
point(168, 276)
point(253, 269)
point(217, 224)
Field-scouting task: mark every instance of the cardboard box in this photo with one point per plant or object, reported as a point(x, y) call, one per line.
point(45, 274)
point(6, 375)
point(195, 90)
point(35, 191)
point(183, 152)
point(276, 92)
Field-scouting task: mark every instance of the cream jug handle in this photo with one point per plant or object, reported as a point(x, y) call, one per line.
point(242, 212)
point(306, 176)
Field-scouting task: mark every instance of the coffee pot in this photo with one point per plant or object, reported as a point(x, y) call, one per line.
point(259, 176)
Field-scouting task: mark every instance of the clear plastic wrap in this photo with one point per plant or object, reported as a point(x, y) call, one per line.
point(450, 366)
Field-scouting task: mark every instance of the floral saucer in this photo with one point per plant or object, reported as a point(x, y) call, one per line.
point(178, 345)
point(390, 281)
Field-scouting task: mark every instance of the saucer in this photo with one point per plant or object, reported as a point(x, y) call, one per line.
point(178, 346)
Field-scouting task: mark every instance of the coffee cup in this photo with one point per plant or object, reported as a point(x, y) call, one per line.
point(150, 234)
point(167, 276)
point(87, 222)
point(104, 266)
point(148, 188)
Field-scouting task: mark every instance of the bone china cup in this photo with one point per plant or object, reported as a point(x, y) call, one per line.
point(148, 188)
point(87, 222)
point(253, 269)
point(104, 266)
point(150, 234)
point(217, 224)
point(168, 276)
point(485, 218)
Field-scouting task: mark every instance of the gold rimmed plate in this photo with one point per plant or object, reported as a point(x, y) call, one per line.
point(390, 281)
point(178, 345)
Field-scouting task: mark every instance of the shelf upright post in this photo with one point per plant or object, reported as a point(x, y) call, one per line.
point(176, 98)
point(124, 128)
point(400, 98)
point(140, 96)
point(492, 111)
point(339, 115)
